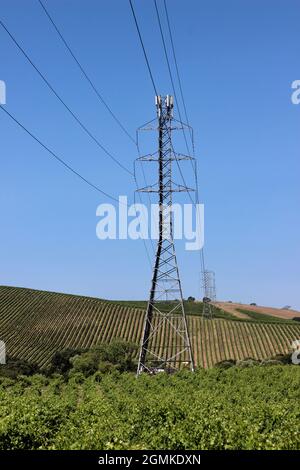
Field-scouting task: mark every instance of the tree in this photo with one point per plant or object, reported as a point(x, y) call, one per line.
point(60, 362)
point(120, 353)
point(87, 363)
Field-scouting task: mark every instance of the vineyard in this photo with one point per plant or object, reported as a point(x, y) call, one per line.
point(35, 324)
point(237, 408)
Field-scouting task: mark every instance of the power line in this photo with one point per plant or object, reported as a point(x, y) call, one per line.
point(53, 154)
point(98, 94)
point(155, 89)
point(100, 97)
point(89, 80)
point(174, 90)
point(59, 159)
point(143, 47)
point(177, 68)
point(64, 104)
point(151, 76)
point(194, 167)
point(170, 71)
point(153, 84)
point(183, 101)
point(68, 167)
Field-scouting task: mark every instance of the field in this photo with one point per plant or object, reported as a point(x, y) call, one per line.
point(35, 324)
point(237, 309)
point(242, 406)
point(238, 408)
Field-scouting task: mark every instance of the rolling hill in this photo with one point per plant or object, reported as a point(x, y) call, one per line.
point(244, 311)
point(35, 324)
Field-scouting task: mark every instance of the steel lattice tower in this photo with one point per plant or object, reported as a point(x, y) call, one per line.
point(165, 342)
point(209, 289)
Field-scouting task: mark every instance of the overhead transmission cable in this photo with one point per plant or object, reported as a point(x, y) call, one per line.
point(53, 154)
point(177, 69)
point(186, 118)
point(154, 86)
point(69, 168)
point(59, 159)
point(180, 88)
point(155, 90)
point(170, 71)
point(98, 94)
point(64, 104)
point(143, 47)
point(192, 160)
point(195, 169)
point(93, 86)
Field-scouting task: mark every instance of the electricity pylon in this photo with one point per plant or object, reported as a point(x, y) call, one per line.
point(209, 290)
point(165, 344)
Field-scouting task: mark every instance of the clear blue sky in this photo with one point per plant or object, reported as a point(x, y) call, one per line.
point(237, 59)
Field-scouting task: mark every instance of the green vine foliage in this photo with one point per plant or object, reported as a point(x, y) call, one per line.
point(254, 407)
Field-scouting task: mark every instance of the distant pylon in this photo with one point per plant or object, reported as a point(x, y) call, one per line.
point(209, 290)
point(165, 343)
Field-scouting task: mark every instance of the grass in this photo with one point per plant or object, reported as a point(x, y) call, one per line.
point(262, 317)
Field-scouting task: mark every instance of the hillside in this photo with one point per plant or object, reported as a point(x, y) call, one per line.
point(35, 324)
point(240, 310)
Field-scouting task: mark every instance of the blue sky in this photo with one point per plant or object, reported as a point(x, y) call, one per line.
point(237, 61)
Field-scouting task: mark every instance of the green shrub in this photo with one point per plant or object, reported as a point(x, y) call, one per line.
point(119, 353)
point(106, 358)
point(61, 361)
point(15, 367)
point(86, 363)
